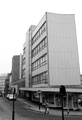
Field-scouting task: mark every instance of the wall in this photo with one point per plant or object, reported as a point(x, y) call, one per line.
point(63, 52)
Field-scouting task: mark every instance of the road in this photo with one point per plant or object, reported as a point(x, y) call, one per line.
point(21, 113)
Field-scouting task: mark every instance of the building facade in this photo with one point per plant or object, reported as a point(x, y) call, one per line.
point(15, 68)
point(51, 58)
point(3, 78)
point(17, 81)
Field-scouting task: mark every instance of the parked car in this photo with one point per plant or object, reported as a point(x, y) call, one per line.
point(11, 97)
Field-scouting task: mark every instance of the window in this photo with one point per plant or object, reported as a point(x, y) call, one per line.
point(43, 60)
point(40, 45)
point(45, 41)
point(38, 48)
point(44, 76)
point(46, 58)
point(40, 78)
point(45, 25)
point(46, 80)
point(40, 62)
point(38, 34)
point(34, 66)
point(42, 28)
point(35, 51)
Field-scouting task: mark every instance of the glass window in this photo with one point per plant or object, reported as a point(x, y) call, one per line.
point(43, 43)
point(34, 65)
point(40, 31)
point(34, 52)
point(38, 35)
point(41, 77)
point(38, 48)
point(35, 49)
point(46, 58)
point(34, 38)
point(45, 25)
point(38, 63)
point(46, 77)
point(40, 45)
point(41, 61)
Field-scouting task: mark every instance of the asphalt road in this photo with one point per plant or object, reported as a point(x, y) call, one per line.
point(21, 113)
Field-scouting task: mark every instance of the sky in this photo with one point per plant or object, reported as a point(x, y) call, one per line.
point(16, 16)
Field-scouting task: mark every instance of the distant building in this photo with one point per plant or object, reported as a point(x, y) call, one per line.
point(3, 78)
point(50, 59)
point(16, 79)
point(15, 68)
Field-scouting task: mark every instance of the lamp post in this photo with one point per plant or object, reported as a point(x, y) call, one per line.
point(39, 92)
point(62, 93)
point(13, 112)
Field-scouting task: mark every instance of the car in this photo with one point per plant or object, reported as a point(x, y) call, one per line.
point(11, 97)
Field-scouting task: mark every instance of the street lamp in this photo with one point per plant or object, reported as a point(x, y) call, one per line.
point(39, 92)
point(13, 112)
point(62, 93)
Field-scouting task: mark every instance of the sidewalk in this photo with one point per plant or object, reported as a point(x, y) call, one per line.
point(35, 107)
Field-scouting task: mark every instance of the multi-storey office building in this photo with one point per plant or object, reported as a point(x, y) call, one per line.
point(52, 59)
point(17, 80)
point(16, 68)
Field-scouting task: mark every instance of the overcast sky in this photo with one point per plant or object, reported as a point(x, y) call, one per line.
point(16, 16)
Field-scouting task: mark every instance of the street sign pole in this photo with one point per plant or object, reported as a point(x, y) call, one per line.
point(62, 93)
point(39, 92)
point(13, 111)
point(62, 109)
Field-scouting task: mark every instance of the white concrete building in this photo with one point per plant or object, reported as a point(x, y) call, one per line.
point(51, 58)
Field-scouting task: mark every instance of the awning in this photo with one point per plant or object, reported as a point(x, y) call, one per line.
point(47, 89)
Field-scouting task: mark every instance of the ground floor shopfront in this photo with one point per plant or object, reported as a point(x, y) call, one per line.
point(52, 95)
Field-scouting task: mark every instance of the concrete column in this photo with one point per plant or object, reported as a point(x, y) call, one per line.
point(41, 98)
point(54, 100)
point(72, 100)
point(67, 103)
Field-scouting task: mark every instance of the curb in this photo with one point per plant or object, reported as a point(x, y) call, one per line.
point(43, 112)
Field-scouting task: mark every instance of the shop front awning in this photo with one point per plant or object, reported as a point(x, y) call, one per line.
point(47, 89)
